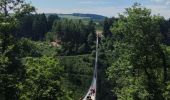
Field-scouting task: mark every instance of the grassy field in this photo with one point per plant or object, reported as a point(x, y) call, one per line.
point(73, 17)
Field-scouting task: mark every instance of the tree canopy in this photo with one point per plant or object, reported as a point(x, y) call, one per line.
point(139, 69)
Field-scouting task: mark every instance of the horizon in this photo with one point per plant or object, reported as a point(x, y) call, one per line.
point(106, 8)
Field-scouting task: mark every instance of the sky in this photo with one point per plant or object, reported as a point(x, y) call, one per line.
point(107, 8)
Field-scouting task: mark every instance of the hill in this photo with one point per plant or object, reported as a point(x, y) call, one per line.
point(80, 16)
point(92, 16)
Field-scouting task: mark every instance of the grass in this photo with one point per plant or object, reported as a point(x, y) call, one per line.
point(72, 17)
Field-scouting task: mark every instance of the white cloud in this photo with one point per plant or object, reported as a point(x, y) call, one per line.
point(167, 2)
point(95, 2)
point(157, 0)
point(162, 7)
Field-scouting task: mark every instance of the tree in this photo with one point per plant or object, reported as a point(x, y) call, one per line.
point(43, 80)
point(44, 24)
point(74, 34)
point(39, 26)
point(165, 30)
point(50, 36)
point(139, 67)
point(108, 22)
point(25, 27)
point(51, 20)
point(10, 67)
point(33, 26)
point(9, 21)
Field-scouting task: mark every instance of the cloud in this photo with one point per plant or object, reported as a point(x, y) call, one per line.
point(160, 9)
point(158, 0)
point(167, 2)
point(95, 2)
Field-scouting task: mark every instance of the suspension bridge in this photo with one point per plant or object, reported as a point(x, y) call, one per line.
point(91, 94)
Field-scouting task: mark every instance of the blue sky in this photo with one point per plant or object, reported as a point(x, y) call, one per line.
point(103, 7)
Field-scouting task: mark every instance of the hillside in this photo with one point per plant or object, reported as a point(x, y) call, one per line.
point(80, 16)
point(91, 16)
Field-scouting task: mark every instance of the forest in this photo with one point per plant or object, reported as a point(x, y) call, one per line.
point(49, 57)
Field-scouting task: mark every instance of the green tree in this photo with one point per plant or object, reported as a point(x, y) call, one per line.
point(39, 26)
point(10, 66)
point(108, 23)
point(50, 36)
point(51, 20)
point(139, 69)
point(165, 30)
point(43, 80)
point(10, 21)
point(74, 35)
point(25, 27)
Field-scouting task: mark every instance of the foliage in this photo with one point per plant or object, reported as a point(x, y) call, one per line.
point(50, 36)
point(42, 80)
point(73, 35)
point(77, 74)
point(18, 7)
point(51, 19)
point(39, 27)
point(26, 48)
point(10, 70)
point(108, 23)
point(10, 67)
point(46, 49)
point(133, 55)
point(165, 30)
point(139, 69)
point(35, 26)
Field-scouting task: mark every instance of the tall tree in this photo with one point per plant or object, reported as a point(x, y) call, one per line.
point(51, 20)
point(10, 70)
point(43, 81)
point(165, 30)
point(9, 21)
point(75, 35)
point(139, 69)
point(25, 28)
point(39, 26)
point(108, 23)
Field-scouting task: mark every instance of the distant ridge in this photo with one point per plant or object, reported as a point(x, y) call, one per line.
point(92, 16)
point(80, 15)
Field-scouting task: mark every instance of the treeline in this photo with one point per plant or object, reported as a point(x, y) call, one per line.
point(164, 27)
point(74, 36)
point(35, 26)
